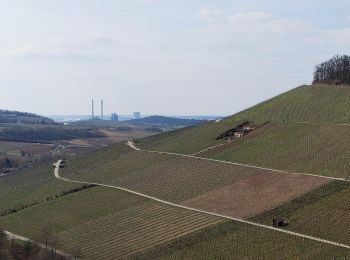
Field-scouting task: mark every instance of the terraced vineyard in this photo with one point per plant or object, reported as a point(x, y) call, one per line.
point(324, 213)
point(29, 187)
point(316, 103)
point(188, 140)
point(231, 240)
point(164, 176)
point(119, 224)
point(320, 104)
point(311, 148)
point(99, 158)
point(105, 223)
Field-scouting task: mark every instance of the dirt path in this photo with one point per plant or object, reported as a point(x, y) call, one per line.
point(132, 145)
point(57, 175)
point(210, 148)
point(12, 236)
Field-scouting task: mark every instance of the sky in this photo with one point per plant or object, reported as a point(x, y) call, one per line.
point(166, 57)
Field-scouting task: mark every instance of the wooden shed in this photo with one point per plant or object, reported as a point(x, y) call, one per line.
point(279, 222)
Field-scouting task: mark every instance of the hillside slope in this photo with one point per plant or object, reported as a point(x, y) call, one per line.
point(7, 116)
point(316, 103)
point(306, 131)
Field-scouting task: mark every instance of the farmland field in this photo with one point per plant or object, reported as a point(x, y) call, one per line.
point(255, 194)
point(310, 148)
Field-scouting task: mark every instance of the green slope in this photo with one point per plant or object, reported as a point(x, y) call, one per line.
point(92, 220)
point(319, 104)
point(102, 223)
point(323, 213)
point(188, 140)
point(172, 178)
point(28, 187)
point(310, 148)
point(316, 103)
point(233, 240)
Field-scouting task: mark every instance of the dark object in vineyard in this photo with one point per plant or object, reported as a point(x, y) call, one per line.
point(239, 131)
point(279, 222)
point(334, 71)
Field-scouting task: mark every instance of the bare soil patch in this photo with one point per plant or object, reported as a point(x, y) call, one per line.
point(255, 194)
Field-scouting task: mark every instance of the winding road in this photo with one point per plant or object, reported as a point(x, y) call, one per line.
point(132, 145)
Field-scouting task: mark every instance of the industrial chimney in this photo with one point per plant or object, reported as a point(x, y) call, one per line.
point(92, 109)
point(101, 109)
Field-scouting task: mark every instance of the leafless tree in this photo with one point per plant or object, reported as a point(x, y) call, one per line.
point(334, 71)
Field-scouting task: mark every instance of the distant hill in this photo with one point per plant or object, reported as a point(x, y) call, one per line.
point(162, 121)
point(7, 116)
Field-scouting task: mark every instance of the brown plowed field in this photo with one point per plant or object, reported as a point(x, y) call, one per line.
point(255, 194)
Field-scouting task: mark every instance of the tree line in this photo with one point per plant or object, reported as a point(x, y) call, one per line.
point(45, 134)
point(7, 116)
point(334, 71)
point(13, 249)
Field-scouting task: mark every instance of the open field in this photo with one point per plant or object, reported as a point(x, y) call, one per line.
point(119, 225)
point(255, 194)
point(28, 144)
point(231, 240)
point(311, 148)
point(111, 137)
point(8, 146)
point(324, 213)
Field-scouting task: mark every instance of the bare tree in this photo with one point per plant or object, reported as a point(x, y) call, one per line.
point(334, 71)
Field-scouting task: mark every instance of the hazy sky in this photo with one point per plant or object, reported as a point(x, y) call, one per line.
point(162, 56)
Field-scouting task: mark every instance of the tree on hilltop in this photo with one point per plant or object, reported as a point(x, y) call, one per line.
point(334, 71)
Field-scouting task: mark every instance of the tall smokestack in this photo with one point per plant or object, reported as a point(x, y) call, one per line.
point(102, 109)
point(92, 109)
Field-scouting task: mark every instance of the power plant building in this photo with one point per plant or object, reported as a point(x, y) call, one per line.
point(137, 115)
point(114, 117)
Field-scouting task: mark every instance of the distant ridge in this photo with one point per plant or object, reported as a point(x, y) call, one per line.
point(7, 116)
point(163, 120)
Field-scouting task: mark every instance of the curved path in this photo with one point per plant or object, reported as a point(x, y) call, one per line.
point(57, 175)
point(132, 145)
